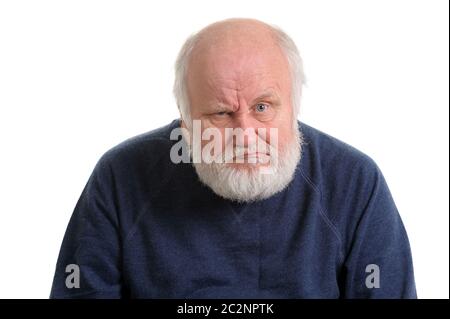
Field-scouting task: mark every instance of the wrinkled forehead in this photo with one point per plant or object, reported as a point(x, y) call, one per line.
point(238, 65)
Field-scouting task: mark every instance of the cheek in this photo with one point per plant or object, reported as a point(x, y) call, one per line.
point(281, 137)
point(283, 123)
point(218, 138)
point(285, 136)
point(286, 116)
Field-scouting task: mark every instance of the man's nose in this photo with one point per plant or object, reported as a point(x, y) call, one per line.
point(243, 120)
point(249, 127)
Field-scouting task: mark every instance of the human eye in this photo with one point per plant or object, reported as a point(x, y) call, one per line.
point(261, 107)
point(220, 116)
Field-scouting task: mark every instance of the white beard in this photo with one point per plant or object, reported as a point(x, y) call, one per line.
point(253, 184)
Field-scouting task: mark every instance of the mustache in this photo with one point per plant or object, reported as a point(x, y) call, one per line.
point(214, 145)
point(260, 152)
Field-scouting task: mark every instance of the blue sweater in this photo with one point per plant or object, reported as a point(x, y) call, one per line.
point(147, 228)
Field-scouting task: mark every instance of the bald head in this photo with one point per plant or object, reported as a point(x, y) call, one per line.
point(236, 32)
point(235, 50)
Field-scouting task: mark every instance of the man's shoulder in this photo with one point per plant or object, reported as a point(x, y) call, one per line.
point(144, 153)
point(331, 154)
point(152, 143)
point(345, 177)
point(339, 171)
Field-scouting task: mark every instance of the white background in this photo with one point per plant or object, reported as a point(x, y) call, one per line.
point(78, 77)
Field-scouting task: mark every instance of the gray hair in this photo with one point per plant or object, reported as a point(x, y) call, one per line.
point(286, 44)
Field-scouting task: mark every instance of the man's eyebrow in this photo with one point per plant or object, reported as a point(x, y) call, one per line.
point(220, 107)
point(223, 107)
point(267, 95)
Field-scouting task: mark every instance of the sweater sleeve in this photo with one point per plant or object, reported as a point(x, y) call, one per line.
point(379, 262)
point(88, 265)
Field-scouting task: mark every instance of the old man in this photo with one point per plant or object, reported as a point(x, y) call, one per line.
point(236, 198)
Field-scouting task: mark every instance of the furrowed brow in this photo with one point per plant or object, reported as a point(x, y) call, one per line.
point(270, 95)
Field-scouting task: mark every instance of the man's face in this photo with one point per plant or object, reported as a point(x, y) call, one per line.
point(242, 85)
point(239, 79)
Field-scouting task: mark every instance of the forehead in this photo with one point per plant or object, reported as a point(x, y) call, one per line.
point(250, 68)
